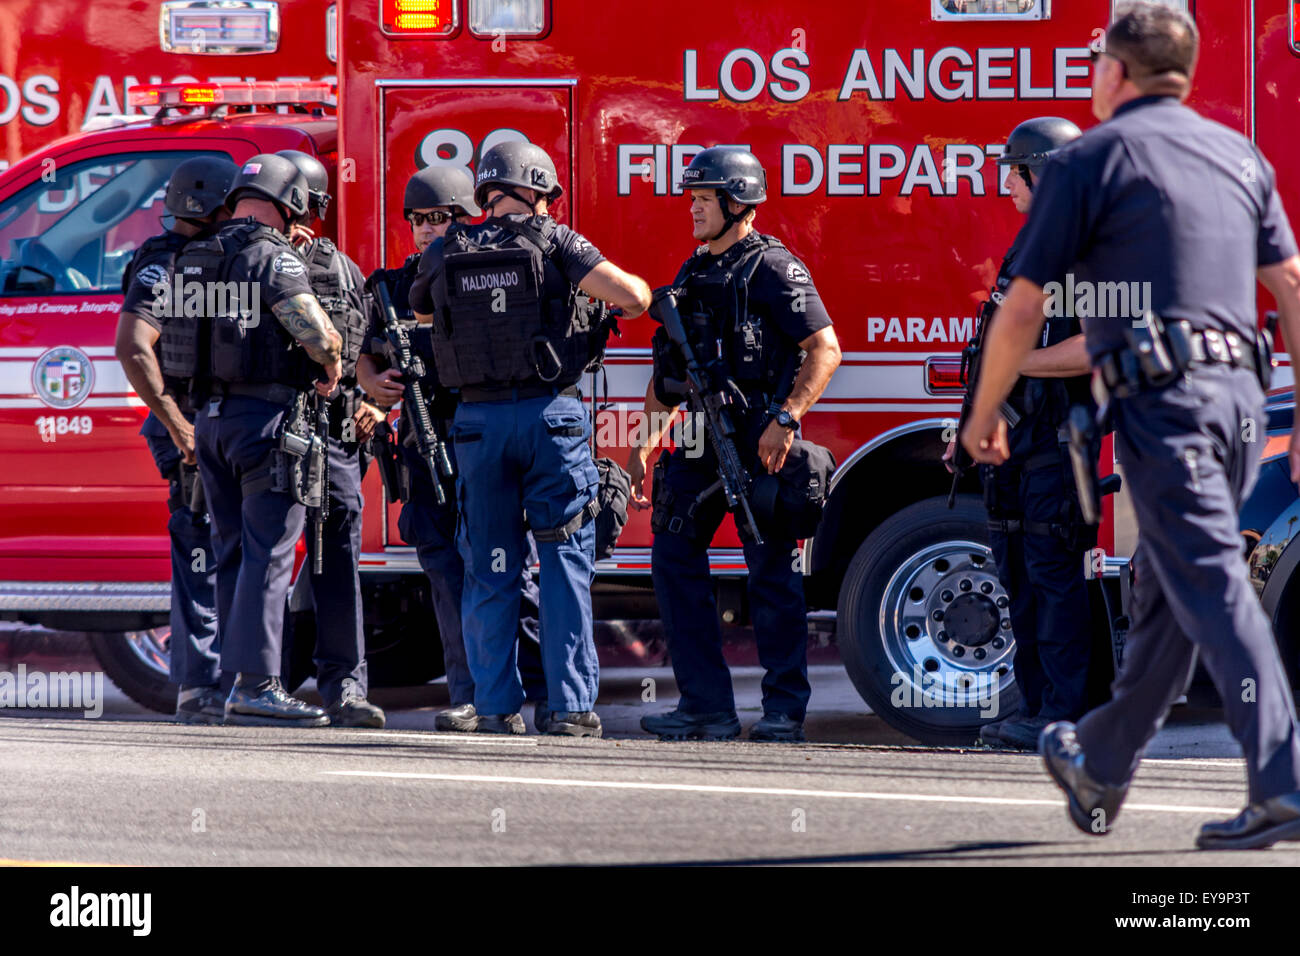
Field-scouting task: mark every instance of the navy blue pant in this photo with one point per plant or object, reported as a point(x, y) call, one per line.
point(679, 563)
point(195, 651)
point(336, 591)
point(1189, 471)
point(1042, 572)
point(515, 456)
point(254, 532)
point(432, 530)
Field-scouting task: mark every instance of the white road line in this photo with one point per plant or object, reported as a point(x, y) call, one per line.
point(441, 736)
point(763, 791)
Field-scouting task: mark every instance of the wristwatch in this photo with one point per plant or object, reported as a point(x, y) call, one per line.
point(782, 417)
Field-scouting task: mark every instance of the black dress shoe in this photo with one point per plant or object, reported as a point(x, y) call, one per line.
point(462, 719)
point(676, 725)
point(353, 710)
point(200, 705)
point(778, 728)
point(584, 723)
point(1021, 733)
point(501, 724)
point(1093, 805)
point(1260, 825)
point(268, 705)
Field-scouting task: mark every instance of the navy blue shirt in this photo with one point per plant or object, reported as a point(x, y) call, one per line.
point(1177, 209)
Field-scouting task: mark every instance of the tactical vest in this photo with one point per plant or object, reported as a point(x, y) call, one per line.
point(504, 312)
point(724, 323)
point(165, 244)
point(227, 346)
point(336, 289)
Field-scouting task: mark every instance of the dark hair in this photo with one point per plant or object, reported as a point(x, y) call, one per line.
point(1157, 42)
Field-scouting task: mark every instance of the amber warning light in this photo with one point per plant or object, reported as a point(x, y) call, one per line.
point(427, 18)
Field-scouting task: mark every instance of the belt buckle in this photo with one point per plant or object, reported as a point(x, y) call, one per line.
point(1215, 346)
point(1234, 343)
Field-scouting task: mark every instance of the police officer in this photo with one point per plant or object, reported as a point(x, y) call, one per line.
point(256, 352)
point(759, 302)
point(195, 200)
point(435, 197)
point(1157, 194)
point(1036, 529)
point(510, 333)
point(336, 592)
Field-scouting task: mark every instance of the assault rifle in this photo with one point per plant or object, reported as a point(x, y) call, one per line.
point(704, 398)
point(432, 449)
point(971, 360)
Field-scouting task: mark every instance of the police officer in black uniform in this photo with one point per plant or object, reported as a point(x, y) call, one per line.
point(435, 197)
point(1156, 194)
point(195, 200)
point(336, 592)
point(510, 332)
point(1036, 529)
point(762, 312)
point(255, 354)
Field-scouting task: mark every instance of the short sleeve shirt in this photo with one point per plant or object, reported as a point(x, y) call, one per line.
point(153, 263)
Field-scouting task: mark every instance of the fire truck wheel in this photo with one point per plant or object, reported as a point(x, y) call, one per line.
point(923, 626)
point(137, 662)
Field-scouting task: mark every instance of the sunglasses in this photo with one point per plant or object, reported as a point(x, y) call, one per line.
point(433, 218)
point(1094, 55)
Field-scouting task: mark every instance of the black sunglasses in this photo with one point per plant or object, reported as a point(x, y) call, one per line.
point(433, 218)
point(1094, 55)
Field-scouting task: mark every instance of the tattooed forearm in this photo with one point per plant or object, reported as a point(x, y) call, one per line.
point(304, 319)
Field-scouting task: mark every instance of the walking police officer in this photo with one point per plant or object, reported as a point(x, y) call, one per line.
point(1156, 194)
point(255, 374)
point(1036, 529)
point(754, 303)
point(435, 197)
point(336, 592)
point(195, 199)
point(511, 334)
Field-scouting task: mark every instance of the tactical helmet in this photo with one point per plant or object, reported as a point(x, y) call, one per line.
point(318, 179)
point(198, 186)
point(516, 164)
point(271, 177)
point(440, 186)
point(1030, 143)
point(733, 170)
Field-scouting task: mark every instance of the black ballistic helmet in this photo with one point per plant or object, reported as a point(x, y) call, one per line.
point(318, 179)
point(516, 164)
point(271, 177)
point(729, 169)
point(198, 186)
point(1032, 141)
point(440, 186)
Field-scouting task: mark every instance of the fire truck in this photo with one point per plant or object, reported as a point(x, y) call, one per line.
point(879, 126)
point(71, 65)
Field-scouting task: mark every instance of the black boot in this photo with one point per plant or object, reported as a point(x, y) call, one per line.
point(266, 704)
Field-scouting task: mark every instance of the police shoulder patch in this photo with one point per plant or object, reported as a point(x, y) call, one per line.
point(288, 263)
point(151, 275)
point(796, 272)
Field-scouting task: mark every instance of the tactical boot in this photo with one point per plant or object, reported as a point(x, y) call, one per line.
point(676, 725)
point(1093, 805)
point(1260, 825)
point(462, 719)
point(541, 716)
point(200, 705)
point(353, 710)
point(584, 723)
point(1021, 733)
point(992, 733)
point(778, 728)
point(501, 724)
point(268, 705)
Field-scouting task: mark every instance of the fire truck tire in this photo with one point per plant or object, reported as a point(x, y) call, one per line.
point(136, 661)
point(922, 624)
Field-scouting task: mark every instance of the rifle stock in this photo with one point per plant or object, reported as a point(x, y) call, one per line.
point(971, 363)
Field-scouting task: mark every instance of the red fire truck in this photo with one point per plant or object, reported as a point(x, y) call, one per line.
point(879, 125)
point(69, 65)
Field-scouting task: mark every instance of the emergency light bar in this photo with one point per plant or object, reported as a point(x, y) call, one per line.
point(221, 27)
point(263, 93)
point(419, 18)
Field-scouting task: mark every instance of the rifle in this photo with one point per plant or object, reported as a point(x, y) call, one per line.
point(432, 449)
point(382, 446)
point(712, 403)
point(971, 362)
point(320, 514)
point(1085, 448)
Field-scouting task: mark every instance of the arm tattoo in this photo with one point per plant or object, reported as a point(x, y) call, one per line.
point(304, 319)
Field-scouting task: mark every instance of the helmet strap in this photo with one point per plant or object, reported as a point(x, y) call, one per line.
point(729, 218)
point(513, 194)
point(1025, 175)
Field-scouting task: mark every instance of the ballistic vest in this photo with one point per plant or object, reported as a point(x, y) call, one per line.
point(165, 244)
point(504, 313)
point(225, 345)
point(336, 289)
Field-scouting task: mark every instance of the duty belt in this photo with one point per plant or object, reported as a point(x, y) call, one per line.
point(1123, 375)
point(272, 392)
point(504, 393)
